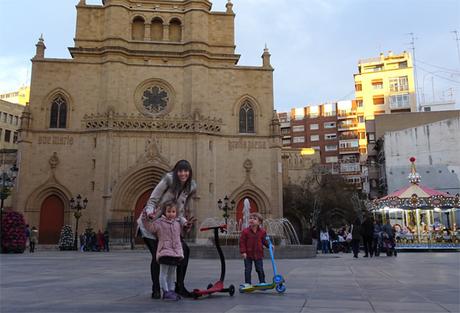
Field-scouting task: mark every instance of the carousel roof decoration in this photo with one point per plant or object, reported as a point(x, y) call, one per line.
point(416, 196)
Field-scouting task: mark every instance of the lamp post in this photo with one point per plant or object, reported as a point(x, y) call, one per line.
point(224, 206)
point(77, 205)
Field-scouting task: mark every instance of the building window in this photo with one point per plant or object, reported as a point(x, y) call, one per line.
point(15, 120)
point(427, 109)
point(330, 136)
point(246, 118)
point(4, 116)
point(58, 118)
point(15, 137)
point(137, 31)
point(399, 84)
point(314, 126)
point(332, 159)
point(359, 103)
point(377, 85)
point(7, 135)
point(362, 135)
point(358, 87)
point(402, 64)
point(331, 148)
point(399, 101)
point(175, 30)
point(10, 118)
point(379, 100)
point(371, 137)
point(156, 29)
point(329, 125)
point(314, 138)
point(298, 128)
point(360, 119)
point(286, 142)
point(299, 139)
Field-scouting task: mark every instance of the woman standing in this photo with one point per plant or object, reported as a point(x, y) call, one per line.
point(355, 236)
point(177, 186)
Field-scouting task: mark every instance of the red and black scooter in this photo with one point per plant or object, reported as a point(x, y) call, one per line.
point(218, 286)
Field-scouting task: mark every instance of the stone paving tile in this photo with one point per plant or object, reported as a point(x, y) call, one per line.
point(344, 304)
point(390, 306)
point(115, 282)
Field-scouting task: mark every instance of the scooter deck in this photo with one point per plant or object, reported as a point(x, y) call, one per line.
point(250, 288)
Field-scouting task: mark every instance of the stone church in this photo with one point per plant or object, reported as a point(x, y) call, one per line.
point(149, 82)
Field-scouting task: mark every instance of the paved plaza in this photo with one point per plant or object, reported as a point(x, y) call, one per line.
point(52, 281)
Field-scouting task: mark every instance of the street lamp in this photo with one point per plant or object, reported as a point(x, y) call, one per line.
point(224, 206)
point(7, 182)
point(77, 205)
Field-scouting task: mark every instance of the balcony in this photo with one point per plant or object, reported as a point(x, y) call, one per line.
point(349, 150)
point(347, 126)
point(348, 136)
point(346, 114)
point(348, 168)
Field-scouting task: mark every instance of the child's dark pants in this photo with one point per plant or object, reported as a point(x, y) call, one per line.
point(259, 265)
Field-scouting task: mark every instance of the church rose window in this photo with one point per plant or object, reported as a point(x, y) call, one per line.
point(155, 99)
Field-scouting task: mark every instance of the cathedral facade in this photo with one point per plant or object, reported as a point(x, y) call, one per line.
point(150, 82)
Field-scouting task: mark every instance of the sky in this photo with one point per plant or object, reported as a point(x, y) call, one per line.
point(315, 45)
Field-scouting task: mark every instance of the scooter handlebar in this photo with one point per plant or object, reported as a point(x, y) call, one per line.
point(221, 227)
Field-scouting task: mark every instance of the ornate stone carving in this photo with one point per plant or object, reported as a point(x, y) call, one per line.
point(184, 123)
point(247, 165)
point(54, 161)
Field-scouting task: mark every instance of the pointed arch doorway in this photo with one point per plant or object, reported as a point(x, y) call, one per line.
point(239, 209)
point(51, 220)
point(140, 204)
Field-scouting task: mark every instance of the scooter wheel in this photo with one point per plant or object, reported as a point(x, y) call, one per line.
point(278, 279)
point(281, 288)
point(209, 286)
point(231, 290)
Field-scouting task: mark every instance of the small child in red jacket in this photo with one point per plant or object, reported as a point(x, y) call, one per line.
point(252, 241)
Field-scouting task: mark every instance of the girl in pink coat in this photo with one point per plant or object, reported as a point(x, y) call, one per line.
point(169, 252)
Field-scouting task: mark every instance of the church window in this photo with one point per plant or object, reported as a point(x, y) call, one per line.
point(175, 30)
point(58, 117)
point(155, 99)
point(246, 118)
point(138, 28)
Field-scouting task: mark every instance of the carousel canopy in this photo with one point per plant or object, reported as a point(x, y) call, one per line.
point(416, 196)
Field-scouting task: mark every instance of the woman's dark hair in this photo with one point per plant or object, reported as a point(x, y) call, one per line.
point(181, 166)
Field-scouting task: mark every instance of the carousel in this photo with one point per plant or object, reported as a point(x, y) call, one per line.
point(422, 218)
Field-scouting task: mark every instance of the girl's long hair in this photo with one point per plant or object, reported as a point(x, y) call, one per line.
point(176, 185)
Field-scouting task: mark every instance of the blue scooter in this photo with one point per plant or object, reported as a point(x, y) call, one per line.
point(278, 280)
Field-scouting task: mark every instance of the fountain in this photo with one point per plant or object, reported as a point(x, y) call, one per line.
point(280, 230)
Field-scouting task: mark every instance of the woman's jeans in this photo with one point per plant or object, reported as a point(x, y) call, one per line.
point(325, 246)
point(355, 246)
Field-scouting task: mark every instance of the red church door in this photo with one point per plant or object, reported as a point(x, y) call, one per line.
point(51, 220)
point(140, 204)
point(239, 209)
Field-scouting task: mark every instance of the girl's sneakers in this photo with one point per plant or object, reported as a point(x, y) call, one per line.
point(170, 296)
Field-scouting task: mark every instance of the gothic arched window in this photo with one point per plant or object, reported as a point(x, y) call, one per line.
point(58, 116)
point(246, 118)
